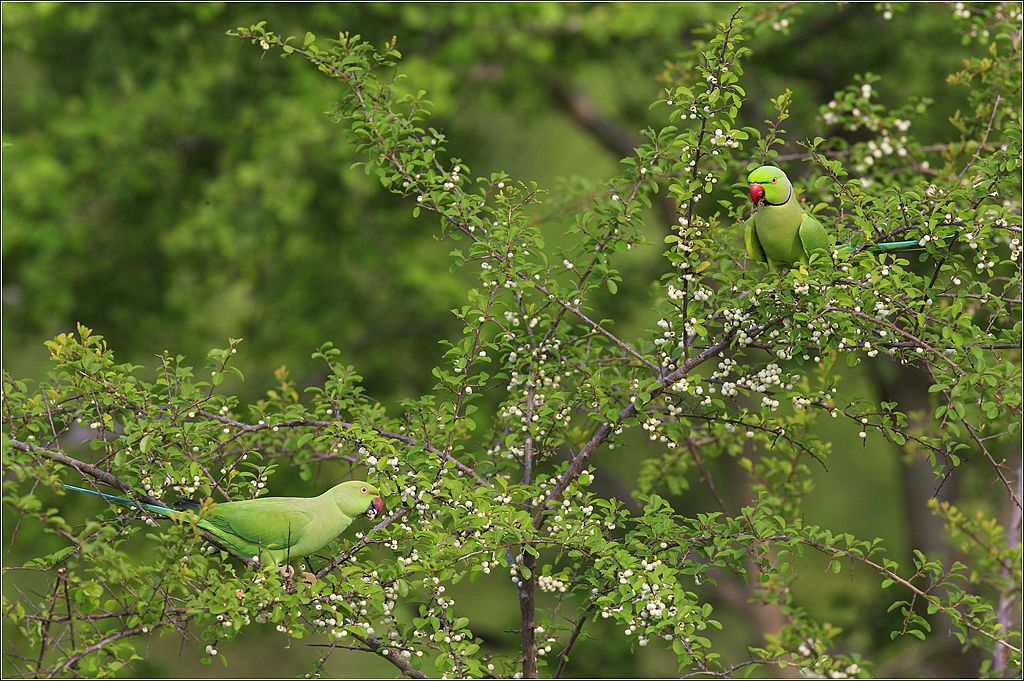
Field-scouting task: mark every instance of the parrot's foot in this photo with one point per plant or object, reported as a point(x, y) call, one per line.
point(308, 577)
point(286, 571)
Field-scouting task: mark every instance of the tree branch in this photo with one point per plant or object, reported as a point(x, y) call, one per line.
point(1005, 611)
point(85, 469)
point(580, 460)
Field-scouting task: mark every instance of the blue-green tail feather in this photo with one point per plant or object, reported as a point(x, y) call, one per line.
point(895, 246)
point(162, 510)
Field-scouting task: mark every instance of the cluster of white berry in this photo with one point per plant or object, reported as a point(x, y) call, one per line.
point(722, 139)
point(551, 584)
point(453, 179)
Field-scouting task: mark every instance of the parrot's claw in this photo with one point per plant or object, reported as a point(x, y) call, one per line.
point(308, 577)
point(286, 571)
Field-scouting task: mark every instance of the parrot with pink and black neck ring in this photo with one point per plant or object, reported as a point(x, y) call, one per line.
point(781, 233)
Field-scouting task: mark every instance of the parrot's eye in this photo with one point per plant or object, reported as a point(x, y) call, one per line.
point(363, 490)
point(774, 180)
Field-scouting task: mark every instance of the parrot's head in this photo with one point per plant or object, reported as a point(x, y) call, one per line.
point(769, 185)
point(357, 497)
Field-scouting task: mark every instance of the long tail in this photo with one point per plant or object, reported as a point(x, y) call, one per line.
point(887, 246)
point(223, 540)
point(161, 510)
point(896, 246)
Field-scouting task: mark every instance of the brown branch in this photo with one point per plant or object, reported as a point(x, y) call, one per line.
point(585, 112)
point(1014, 498)
point(113, 481)
point(102, 643)
point(901, 332)
point(376, 645)
point(44, 630)
point(705, 476)
point(317, 423)
point(84, 468)
point(564, 655)
point(981, 144)
point(527, 613)
point(602, 434)
point(526, 589)
point(924, 595)
point(842, 153)
point(1005, 611)
point(347, 555)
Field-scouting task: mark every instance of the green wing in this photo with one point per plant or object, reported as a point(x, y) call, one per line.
point(267, 523)
point(753, 244)
point(813, 236)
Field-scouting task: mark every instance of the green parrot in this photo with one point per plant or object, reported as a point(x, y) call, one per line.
point(274, 529)
point(781, 232)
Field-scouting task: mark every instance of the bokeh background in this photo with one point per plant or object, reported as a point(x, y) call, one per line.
point(167, 187)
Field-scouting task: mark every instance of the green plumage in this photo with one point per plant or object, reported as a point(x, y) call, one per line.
point(782, 234)
point(274, 529)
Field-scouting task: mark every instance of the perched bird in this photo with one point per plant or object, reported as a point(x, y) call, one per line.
point(781, 233)
point(274, 529)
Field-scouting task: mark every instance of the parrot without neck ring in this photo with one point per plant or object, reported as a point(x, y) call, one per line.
point(781, 233)
point(274, 529)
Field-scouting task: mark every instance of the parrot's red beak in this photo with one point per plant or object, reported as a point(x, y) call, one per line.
point(756, 194)
point(376, 507)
